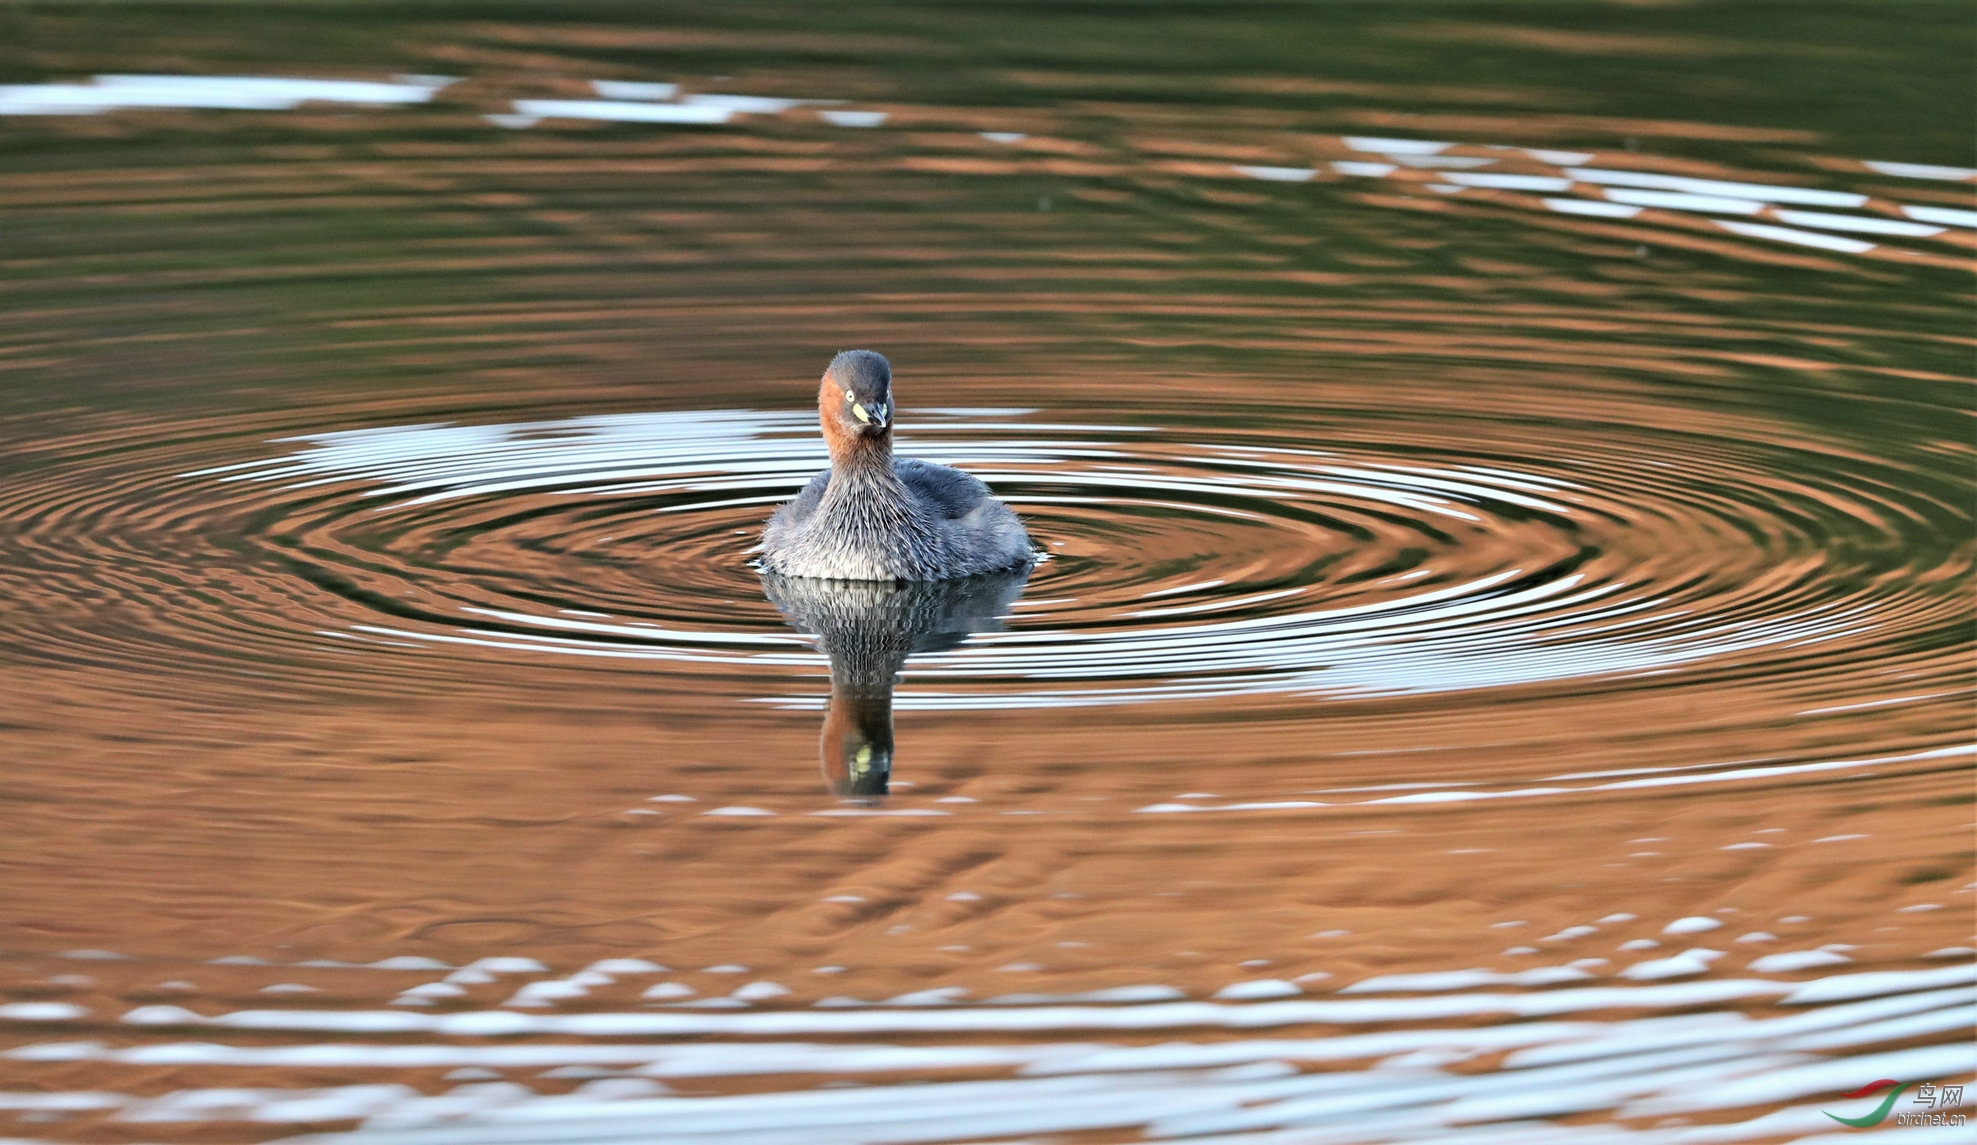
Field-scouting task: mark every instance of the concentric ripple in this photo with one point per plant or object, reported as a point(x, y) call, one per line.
point(1181, 565)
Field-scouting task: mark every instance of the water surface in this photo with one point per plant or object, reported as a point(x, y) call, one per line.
point(1500, 670)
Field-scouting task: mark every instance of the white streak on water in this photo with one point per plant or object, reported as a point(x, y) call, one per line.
point(1788, 961)
point(1683, 965)
point(41, 1012)
point(622, 111)
point(1559, 158)
point(1466, 980)
point(1801, 238)
point(854, 118)
point(1395, 146)
point(1874, 704)
point(634, 89)
point(239, 93)
point(640, 631)
point(1948, 216)
point(1693, 924)
point(1682, 201)
point(1279, 174)
point(1592, 207)
point(72, 1102)
point(521, 641)
point(1764, 192)
point(1920, 170)
point(1875, 984)
point(1863, 224)
point(1690, 775)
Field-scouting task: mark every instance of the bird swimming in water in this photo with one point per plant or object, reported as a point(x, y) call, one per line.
point(872, 516)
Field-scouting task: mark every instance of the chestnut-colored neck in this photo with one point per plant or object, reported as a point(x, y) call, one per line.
point(850, 449)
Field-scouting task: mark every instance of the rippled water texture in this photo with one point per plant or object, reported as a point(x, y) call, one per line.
point(1500, 670)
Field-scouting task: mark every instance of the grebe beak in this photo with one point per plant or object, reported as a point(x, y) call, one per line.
point(875, 415)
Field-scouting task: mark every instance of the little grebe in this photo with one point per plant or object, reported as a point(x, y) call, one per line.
point(872, 516)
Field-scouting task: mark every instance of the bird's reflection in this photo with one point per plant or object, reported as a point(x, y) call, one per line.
point(868, 629)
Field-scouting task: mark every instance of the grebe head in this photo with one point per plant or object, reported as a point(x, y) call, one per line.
point(855, 399)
